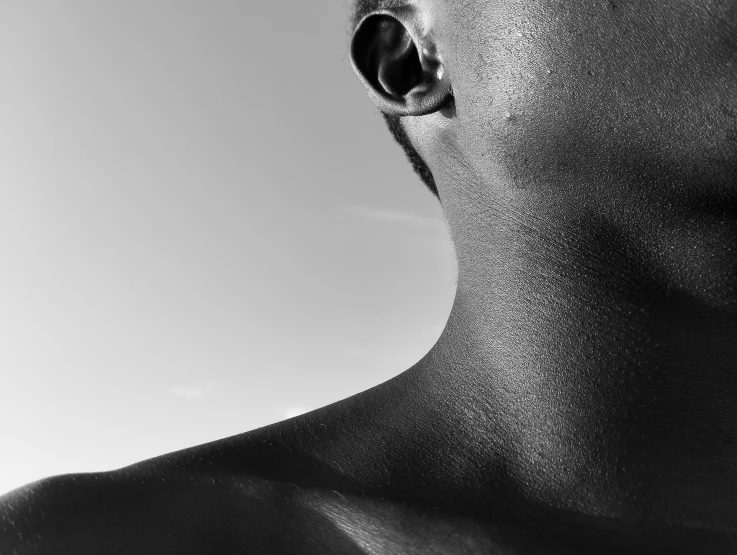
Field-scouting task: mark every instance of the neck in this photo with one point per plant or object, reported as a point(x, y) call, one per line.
point(598, 361)
point(587, 367)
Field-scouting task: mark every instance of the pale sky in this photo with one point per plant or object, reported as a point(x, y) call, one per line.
point(204, 228)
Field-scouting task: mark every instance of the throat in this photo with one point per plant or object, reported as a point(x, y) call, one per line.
point(614, 399)
point(567, 384)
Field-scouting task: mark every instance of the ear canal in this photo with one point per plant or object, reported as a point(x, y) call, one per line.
point(399, 68)
point(384, 53)
point(387, 60)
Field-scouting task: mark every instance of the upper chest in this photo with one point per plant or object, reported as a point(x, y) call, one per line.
point(284, 518)
point(292, 520)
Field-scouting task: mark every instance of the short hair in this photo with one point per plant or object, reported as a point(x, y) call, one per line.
point(418, 164)
point(361, 9)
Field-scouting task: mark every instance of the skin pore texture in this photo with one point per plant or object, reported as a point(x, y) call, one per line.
point(583, 395)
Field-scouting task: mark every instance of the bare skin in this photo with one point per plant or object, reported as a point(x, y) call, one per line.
point(583, 395)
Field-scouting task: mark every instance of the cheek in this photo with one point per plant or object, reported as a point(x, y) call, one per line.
point(551, 90)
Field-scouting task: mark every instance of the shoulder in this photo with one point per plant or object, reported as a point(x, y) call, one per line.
point(139, 513)
point(85, 513)
point(128, 512)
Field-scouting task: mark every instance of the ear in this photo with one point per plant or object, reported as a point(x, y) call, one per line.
point(401, 71)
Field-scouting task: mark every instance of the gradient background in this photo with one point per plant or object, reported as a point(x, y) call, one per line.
point(204, 228)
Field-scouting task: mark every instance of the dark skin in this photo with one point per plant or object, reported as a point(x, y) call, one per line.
point(583, 395)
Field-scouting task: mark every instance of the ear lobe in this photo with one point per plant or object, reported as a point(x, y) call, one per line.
point(400, 80)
